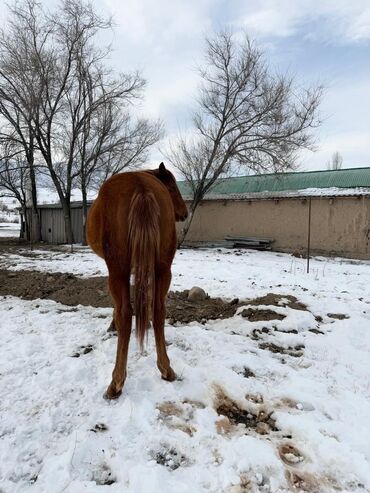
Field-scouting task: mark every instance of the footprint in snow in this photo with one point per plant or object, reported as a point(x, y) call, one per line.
point(244, 372)
point(102, 475)
point(170, 458)
point(285, 402)
point(177, 417)
point(99, 427)
point(83, 350)
point(290, 455)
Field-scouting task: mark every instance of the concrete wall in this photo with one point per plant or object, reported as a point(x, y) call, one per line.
point(339, 225)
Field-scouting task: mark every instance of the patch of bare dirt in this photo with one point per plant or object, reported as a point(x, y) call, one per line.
point(257, 334)
point(11, 244)
point(337, 316)
point(71, 290)
point(181, 310)
point(284, 300)
point(316, 331)
point(63, 288)
point(295, 351)
point(255, 315)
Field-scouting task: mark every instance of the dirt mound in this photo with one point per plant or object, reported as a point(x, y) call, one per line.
point(180, 309)
point(63, 288)
point(284, 300)
point(71, 290)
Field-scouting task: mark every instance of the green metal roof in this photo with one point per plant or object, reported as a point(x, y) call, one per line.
point(279, 182)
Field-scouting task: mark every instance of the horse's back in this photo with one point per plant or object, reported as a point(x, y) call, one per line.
point(108, 219)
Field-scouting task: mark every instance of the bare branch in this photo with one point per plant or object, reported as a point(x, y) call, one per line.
point(246, 117)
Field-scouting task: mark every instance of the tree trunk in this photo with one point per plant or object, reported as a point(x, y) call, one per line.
point(187, 224)
point(25, 228)
point(36, 224)
point(68, 227)
point(84, 214)
point(67, 219)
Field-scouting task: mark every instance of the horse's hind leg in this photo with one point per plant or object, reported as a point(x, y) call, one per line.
point(162, 283)
point(112, 326)
point(119, 286)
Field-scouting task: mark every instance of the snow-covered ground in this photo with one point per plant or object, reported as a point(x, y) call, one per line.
point(57, 433)
point(9, 230)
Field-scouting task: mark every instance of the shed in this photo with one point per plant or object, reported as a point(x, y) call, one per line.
point(52, 222)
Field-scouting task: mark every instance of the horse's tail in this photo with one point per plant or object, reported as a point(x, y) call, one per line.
point(144, 238)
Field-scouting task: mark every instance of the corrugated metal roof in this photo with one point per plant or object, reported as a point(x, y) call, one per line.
point(279, 182)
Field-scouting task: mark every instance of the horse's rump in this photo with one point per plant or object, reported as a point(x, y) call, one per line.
point(144, 244)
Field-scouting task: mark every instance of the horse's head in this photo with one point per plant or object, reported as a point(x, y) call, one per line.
point(167, 178)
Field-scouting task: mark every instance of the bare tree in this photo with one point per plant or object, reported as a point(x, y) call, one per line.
point(70, 35)
point(117, 143)
point(137, 136)
point(57, 51)
point(246, 116)
point(14, 179)
point(108, 139)
point(17, 105)
point(336, 161)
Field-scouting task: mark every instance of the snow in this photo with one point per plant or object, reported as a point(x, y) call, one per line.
point(224, 272)
point(51, 401)
point(8, 230)
point(50, 196)
point(304, 192)
point(60, 259)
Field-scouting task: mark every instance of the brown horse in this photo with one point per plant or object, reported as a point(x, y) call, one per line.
point(131, 225)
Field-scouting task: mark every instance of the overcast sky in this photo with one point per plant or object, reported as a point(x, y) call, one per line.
point(325, 41)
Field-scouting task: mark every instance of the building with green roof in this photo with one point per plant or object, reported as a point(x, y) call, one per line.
point(277, 206)
point(337, 182)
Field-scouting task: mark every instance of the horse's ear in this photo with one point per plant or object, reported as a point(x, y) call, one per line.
point(162, 168)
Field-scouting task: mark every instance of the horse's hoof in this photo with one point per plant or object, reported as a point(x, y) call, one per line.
point(111, 393)
point(169, 375)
